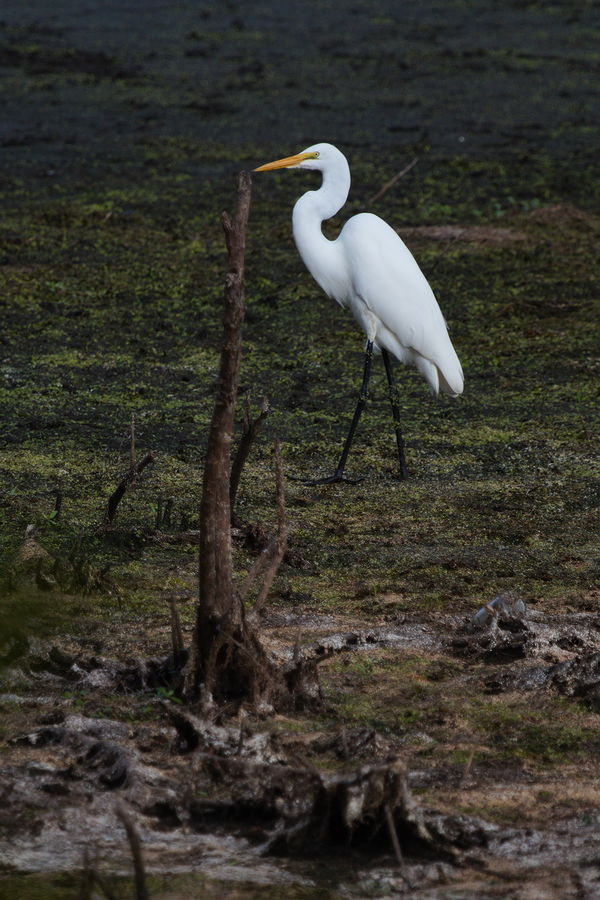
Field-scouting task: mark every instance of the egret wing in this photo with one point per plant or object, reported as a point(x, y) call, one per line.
point(386, 277)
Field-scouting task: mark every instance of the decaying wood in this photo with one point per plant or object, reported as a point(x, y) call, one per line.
point(231, 773)
point(215, 576)
point(228, 663)
point(304, 809)
point(228, 660)
point(250, 430)
point(126, 482)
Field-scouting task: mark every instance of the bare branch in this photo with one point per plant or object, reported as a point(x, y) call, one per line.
point(391, 826)
point(390, 184)
point(282, 532)
point(268, 556)
point(259, 566)
point(249, 434)
point(126, 482)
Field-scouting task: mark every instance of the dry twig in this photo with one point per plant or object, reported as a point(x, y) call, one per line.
point(391, 826)
point(259, 566)
point(390, 184)
point(126, 482)
point(271, 557)
point(249, 434)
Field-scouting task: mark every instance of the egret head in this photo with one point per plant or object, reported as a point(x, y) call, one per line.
point(315, 157)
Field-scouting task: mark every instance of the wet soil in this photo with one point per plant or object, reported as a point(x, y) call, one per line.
point(493, 788)
point(122, 132)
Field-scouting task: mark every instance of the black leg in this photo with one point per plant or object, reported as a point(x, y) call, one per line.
point(338, 475)
point(395, 402)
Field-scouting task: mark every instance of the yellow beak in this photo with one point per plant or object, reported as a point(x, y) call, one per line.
point(286, 163)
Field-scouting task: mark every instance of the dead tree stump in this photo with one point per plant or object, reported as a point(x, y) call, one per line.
point(228, 661)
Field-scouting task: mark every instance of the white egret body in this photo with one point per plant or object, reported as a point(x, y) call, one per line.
point(369, 270)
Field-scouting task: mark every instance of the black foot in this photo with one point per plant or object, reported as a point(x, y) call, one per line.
point(336, 478)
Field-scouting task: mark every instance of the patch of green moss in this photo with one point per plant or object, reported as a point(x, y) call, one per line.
point(554, 734)
point(112, 307)
point(63, 886)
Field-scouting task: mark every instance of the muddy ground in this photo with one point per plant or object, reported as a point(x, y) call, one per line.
point(122, 133)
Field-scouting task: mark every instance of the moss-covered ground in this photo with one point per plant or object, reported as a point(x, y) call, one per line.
point(112, 273)
point(112, 308)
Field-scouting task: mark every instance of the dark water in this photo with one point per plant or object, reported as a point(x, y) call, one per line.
point(84, 81)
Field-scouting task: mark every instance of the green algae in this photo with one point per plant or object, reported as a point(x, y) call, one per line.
point(171, 887)
point(113, 307)
point(434, 707)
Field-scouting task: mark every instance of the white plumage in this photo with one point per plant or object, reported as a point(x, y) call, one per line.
point(369, 270)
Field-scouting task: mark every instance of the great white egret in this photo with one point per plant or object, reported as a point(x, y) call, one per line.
point(368, 269)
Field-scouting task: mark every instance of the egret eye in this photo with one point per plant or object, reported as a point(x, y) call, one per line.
point(317, 154)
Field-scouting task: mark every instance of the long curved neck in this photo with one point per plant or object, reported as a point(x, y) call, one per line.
point(317, 252)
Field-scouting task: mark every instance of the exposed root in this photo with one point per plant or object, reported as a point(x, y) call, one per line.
point(303, 809)
point(257, 784)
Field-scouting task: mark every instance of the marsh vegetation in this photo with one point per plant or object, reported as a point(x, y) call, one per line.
point(118, 164)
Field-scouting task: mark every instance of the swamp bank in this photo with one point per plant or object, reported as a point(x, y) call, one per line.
point(123, 136)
